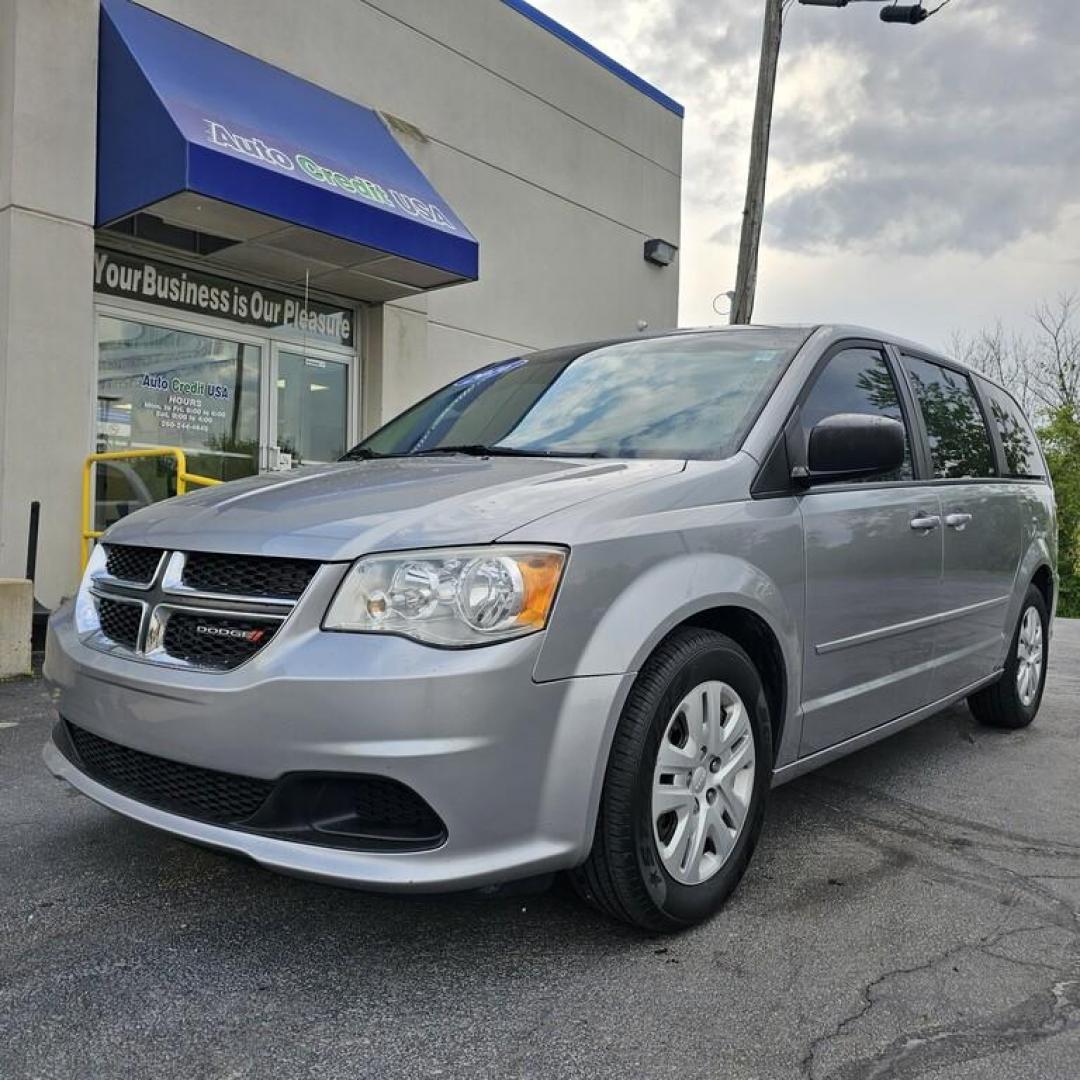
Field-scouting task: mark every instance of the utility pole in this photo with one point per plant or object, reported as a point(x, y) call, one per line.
point(742, 306)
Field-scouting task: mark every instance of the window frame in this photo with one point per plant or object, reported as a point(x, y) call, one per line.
point(116, 307)
point(790, 435)
point(774, 479)
point(983, 387)
point(996, 451)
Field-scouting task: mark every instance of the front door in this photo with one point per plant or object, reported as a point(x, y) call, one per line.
point(234, 401)
point(982, 526)
point(873, 568)
point(311, 408)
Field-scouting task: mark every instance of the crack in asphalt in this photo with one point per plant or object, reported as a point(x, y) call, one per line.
point(868, 999)
point(1044, 1014)
point(1041, 1016)
point(1035, 965)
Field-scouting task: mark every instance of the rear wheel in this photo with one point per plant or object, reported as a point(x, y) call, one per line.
point(684, 795)
point(1014, 699)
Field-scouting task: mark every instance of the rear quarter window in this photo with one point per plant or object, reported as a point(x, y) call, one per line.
point(1023, 458)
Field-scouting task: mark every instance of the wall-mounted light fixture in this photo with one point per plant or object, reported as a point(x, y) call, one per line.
point(660, 252)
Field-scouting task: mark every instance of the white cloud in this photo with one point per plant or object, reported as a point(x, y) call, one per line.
point(922, 178)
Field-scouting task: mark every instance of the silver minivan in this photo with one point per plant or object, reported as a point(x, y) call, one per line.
point(576, 611)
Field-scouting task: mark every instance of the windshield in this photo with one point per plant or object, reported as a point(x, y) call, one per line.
point(685, 396)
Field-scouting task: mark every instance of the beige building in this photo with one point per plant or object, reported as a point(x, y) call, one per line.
point(255, 229)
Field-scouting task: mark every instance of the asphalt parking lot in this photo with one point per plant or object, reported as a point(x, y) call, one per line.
point(912, 911)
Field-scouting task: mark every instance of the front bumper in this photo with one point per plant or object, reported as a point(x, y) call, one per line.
point(512, 767)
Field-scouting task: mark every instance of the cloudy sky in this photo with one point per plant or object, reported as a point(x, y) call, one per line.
point(922, 179)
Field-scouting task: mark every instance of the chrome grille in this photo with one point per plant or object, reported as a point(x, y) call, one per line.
point(128, 563)
point(208, 611)
point(215, 641)
point(120, 620)
point(247, 575)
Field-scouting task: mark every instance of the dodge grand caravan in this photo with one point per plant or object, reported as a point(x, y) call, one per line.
point(577, 611)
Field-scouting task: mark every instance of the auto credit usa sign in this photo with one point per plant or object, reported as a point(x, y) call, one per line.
point(136, 278)
point(325, 173)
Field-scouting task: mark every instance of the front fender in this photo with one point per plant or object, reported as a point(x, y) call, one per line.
point(622, 597)
point(664, 596)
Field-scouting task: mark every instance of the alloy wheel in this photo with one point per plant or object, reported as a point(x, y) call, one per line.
point(1029, 657)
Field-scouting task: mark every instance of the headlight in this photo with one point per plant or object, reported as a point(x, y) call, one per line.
point(86, 614)
point(450, 596)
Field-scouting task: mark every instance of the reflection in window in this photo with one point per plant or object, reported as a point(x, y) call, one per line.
point(959, 441)
point(163, 387)
point(856, 381)
point(685, 396)
point(1022, 457)
point(312, 397)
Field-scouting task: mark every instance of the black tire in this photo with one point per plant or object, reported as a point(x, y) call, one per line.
point(999, 705)
point(624, 876)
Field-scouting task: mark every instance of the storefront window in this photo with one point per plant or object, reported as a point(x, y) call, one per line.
point(159, 386)
point(312, 417)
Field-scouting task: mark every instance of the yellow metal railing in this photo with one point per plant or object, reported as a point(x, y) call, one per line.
point(183, 478)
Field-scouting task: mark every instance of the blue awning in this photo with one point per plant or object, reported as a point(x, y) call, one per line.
point(307, 184)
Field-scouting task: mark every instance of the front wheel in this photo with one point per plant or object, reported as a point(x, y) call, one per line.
point(1014, 699)
point(684, 795)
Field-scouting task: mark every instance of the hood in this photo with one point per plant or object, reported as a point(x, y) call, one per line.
point(342, 511)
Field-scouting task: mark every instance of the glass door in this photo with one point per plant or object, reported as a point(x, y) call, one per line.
point(311, 408)
point(237, 403)
point(159, 385)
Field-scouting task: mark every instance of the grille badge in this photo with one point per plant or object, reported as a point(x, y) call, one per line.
point(254, 636)
point(222, 623)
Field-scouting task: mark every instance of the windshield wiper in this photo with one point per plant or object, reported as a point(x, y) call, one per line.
point(480, 450)
point(361, 453)
point(471, 449)
point(364, 453)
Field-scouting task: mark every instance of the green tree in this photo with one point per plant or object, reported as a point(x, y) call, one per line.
point(1060, 438)
point(1042, 370)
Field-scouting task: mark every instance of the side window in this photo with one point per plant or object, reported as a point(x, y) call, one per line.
point(959, 441)
point(1022, 457)
point(856, 381)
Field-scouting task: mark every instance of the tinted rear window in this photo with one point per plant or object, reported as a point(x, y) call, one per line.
point(1022, 456)
point(959, 440)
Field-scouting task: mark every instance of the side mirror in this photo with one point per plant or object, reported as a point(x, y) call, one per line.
point(850, 446)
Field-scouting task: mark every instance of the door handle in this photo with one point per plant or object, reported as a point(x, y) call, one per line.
point(957, 521)
point(925, 522)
